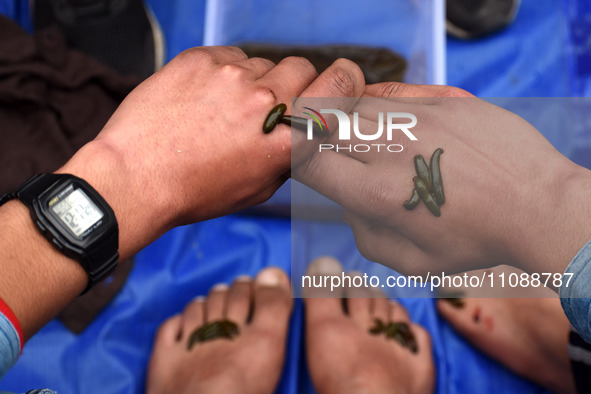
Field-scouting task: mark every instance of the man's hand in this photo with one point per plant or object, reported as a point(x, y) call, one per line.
point(510, 196)
point(187, 144)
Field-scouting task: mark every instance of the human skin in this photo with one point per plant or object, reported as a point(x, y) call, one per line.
point(511, 198)
point(186, 145)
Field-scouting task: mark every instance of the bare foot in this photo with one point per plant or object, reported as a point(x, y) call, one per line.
point(249, 363)
point(527, 335)
point(343, 357)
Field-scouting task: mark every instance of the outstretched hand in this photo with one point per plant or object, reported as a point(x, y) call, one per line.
point(510, 196)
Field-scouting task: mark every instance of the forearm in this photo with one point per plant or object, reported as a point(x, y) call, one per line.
point(37, 280)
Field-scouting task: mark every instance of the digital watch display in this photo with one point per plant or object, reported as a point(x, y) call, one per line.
point(75, 219)
point(76, 210)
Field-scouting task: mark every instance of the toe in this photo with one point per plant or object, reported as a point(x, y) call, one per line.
point(238, 303)
point(325, 301)
point(422, 337)
point(170, 331)
point(193, 316)
point(398, 313)
point(465, 319)
point(359, 301)
point(381, 307)
point(216, 302)
point(272, 300)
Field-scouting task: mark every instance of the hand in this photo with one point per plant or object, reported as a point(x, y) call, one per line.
point(187, 144)
point(510, 196)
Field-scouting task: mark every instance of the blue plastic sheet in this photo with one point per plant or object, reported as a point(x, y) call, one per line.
point(542, 54)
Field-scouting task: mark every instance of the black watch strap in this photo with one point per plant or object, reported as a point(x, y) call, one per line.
point(98, 262)
point(30, 189)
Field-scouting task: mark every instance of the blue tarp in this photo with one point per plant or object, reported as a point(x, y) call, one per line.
point(541, 54)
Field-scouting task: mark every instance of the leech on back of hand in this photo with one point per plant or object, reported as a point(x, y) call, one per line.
point(277, 115)
point(428, 185)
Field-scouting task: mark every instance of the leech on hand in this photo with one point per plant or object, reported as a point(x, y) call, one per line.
point(426, 196)
point(428, 184)
point(414, 200)
point(274, 117)
point(277, 115)
point(423, 171)
point(436, 180)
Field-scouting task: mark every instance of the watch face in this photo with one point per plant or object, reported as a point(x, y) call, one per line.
point(76, 210)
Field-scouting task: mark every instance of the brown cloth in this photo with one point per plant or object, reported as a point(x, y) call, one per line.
point(53, 100)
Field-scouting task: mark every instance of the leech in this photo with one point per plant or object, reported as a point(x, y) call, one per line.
point(423, 171)
point(404, 336)
point(436, 180)
point(428, 184)
point(426, 196)
point(414, 200)
point(218, 329)
point(400, 332)
point(274, 117)
point(277, 115)
point(378, 328)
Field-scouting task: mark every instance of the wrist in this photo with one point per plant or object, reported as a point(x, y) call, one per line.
point(559, 225)
point(138, 211)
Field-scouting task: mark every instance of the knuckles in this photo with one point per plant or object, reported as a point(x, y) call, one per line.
point(263, 98)
point(343, 78)
point(233, 72)
point(302, 64)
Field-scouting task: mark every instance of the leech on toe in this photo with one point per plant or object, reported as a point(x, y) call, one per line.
point(217, 329)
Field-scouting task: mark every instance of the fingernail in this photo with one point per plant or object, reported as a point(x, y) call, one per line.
point(268, 277)
point(199, 299)
point(243, 278)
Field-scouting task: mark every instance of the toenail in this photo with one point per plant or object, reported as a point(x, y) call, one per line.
point(326, 265)
point(220, 287)
point(268, 278)
point(199, 299)
point(243, 278)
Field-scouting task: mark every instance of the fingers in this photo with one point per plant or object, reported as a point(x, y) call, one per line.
point(343, 78)
point(399, 89)
point(289, 78)
point(333, 89)
point(333, 175)
point(212, 55)
point(380, 243)
point(258, 66)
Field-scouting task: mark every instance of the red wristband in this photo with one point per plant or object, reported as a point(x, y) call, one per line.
point(6, 311)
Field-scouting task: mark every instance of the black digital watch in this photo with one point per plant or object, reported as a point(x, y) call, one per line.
point(75, 219)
